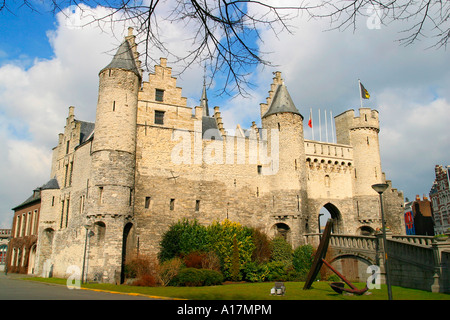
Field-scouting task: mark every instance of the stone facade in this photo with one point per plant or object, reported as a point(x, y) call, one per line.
point(153, 160)
point(440, 199)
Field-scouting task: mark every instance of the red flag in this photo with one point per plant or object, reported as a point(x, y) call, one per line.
point(310, 119)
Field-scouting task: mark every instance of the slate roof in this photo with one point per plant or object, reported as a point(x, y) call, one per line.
point(281, 102)
point(209, 126)
point(35, 197)
point(123, 59)
point(86, 130)
point(51, 184)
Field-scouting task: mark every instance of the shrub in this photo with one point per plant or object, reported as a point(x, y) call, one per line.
point(183, 238)
point(194, 259)
point(235, 268)
point(261, 253)
point(281, 250)
point(255, 272)
point(303, 258)
point(139, 266)
point(212, 277)
point(221, 237)
point(278, 270)
point(168, 270)
point(211, 261)
point(192, 277)
point(145, 280)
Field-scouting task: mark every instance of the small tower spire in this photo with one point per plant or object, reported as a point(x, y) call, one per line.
point(204, 100)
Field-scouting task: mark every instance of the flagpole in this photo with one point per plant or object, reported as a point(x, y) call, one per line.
point(332, 127)
point(312, 123)
point(360, 93)
point(326, 125)
point(320, 128)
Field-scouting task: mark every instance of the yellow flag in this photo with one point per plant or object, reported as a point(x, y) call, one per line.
point(364, 93)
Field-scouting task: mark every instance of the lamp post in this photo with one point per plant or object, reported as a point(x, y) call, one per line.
point(88, 227)
point(380, 188)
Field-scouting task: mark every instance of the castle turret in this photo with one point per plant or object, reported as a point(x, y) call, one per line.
point(361, 132)
point(283, 124)
point(111, 183)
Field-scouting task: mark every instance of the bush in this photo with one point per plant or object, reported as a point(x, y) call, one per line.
point(137, 267)
point(221, 237)
point(192, 277)
point(168, 270)
point(211, 261)
point(262, 251)
point(183, 238)
point(303, 258)
point(145, 280)
point(281, 250)
point(212, 277)
point(194, 259)
point(278, 270)
point(255, 272)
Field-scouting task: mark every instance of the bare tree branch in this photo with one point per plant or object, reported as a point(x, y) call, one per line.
point(225, 31)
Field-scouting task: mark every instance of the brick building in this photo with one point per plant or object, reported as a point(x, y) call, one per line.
point(150, 160)
point(23, 241)
point(440, 199)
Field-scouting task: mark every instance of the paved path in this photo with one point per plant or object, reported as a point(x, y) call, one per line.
point(11, 288)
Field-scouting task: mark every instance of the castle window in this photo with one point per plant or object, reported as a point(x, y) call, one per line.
point(327, 181)
point(100, 198)
point(66, 175)
point(147, 202)
point(197, 205)
point(114, 106)
point(70, 173)
point(172, 204)
point(62, 215)
point(67, 212)
point(259, 169)
point(159, 117)
point(159, 95)
point(67, 146)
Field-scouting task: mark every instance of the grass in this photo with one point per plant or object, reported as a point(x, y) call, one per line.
point(260, 291)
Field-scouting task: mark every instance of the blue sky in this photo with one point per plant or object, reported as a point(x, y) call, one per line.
point(24, 34)
point(46, 66)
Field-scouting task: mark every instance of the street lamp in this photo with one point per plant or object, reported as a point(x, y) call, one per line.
point(88, 227)
point(380, 188)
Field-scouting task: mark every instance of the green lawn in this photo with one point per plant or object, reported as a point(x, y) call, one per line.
point(261, 291)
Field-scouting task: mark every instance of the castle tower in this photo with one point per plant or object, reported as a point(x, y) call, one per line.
point(361, 132)
point(284, 125)
point(111, 183)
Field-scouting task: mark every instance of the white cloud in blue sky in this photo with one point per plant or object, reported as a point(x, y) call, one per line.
point(410, 86)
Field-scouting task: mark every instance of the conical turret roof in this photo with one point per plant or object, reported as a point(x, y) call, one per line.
point(123, 59)
point(281, 102)
point(204, 101)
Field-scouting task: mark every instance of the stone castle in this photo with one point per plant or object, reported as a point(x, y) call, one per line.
point(150, 160)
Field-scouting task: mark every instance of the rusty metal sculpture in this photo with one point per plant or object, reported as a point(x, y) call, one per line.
point(319, 260)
